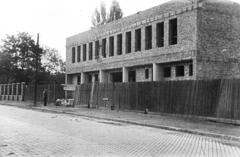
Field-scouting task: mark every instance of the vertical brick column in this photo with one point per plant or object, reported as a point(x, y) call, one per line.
point(83, 78)
point(100, 49)
point(154, 35)
point(166, 30)
point(87, 51)
point(115, 45)
point(156, 72)
point(142, 38)
point(133, 40)
point(124, 43)
point(107, 46)
point(125, 74)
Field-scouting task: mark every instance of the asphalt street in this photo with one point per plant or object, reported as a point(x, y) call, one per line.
point(32, 133)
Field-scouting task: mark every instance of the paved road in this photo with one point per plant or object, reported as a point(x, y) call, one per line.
point(31, 133)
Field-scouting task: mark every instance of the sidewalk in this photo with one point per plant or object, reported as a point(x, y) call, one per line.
point(163, 121)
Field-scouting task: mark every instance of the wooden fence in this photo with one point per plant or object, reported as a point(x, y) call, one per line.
point(54, 92)
point(211, 98)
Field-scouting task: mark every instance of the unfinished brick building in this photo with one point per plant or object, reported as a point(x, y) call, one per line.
point(178, 40)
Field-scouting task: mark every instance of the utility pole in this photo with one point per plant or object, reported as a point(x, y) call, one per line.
point(36, 70)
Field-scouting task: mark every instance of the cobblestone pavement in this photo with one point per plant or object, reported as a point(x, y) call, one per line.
point(31, 133)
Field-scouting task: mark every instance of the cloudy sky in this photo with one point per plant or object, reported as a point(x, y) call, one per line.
point(57, 19)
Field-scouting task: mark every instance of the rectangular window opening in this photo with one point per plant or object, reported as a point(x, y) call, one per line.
point(78, 53)
point(84, 52)
point(96, 49)
point(160, 34)
point(167, 72)
point(90, 51)
point(119, 44)
point(148, 37)
point(190, 70)
point(73, 55)
point(128, 42)
point(79, 79)
point(111, 46)
point(132, 76)
point(137, 40)
point(173, 31)
point(179, 71)
point(104, 48)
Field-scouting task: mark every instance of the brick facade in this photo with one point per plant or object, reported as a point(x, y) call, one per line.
point(207, 45)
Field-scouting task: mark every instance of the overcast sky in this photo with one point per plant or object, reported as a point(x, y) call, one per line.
point(56, 20)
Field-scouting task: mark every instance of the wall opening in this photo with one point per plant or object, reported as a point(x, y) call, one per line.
point(84, 52)
point(79, 79)
point(78, 53)
point(73, 55)
point(179, 70)
point(137, 40)
point(111, 46)
point(116, 77)
point(97, 49)
point(90, 51)
point(160, 34)
point(148, 37)
point(173, 31)
point(146, 73)
point(104, 42)
point(96, 78)
point(167, 71)
point(190, 69)
point(89, 78)
point(119, 44)
point(132, 76)
point(128, 42)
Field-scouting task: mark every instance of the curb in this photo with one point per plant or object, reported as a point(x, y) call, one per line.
point(208, 134)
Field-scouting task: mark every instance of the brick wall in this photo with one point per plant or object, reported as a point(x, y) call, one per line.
point(218, 40)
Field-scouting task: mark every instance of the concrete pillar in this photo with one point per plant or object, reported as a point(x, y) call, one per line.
point(22, 90)
point(102, 76)
point(12, 92)
point(125, 74)
point(17, 88)
point(154, 33)
point(83, 77)
point(156, 72)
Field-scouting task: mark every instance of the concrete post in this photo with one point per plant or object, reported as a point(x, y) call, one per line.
point(22, 90)
point(125, 74)
point(83, 78)
point(102, 76)
point(156, 72)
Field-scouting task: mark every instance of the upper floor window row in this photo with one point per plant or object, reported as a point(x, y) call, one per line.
point(128, 42)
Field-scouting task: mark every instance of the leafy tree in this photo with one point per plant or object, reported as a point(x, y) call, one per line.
point(52, 61)
point(115, 11)
point(102, 17)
